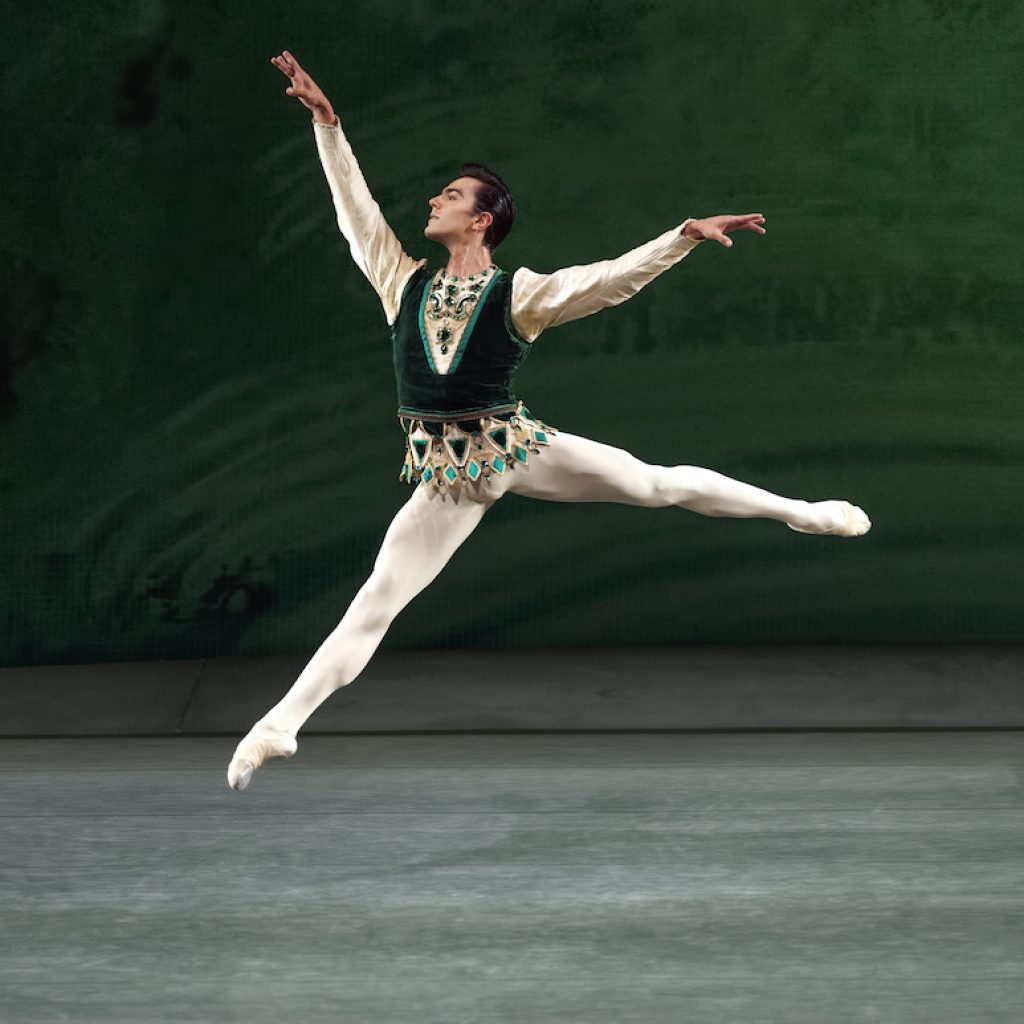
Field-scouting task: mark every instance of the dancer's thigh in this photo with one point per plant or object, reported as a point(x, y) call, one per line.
point(574, 468)
point(423, 536)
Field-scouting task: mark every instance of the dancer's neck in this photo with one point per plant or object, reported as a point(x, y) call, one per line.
point(469, 259)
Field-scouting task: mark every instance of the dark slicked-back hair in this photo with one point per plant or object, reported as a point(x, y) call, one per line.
point(493, 196)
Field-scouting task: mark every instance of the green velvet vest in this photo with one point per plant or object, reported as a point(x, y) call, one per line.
point(479, 380)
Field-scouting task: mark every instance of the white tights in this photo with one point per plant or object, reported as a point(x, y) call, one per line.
point(427, 531)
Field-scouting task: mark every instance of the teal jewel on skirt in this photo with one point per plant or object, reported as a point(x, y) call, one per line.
point(469, 452)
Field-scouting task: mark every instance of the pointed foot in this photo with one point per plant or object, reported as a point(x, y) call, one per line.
point(262, 741)
point(836, 519)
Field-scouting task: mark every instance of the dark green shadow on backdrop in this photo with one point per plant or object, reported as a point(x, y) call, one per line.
point(200, 452)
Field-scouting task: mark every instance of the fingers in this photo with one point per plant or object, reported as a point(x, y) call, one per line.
point(286, 63)
point(283, 66)
point(744, 222)
point(717, 227)
point(300, 85)
point(294, 63)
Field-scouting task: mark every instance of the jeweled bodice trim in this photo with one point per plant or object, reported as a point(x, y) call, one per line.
point(479, 378)
point(448, 311)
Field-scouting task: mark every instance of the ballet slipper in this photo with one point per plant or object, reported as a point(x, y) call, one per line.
point(854, 524)
point(262, 741)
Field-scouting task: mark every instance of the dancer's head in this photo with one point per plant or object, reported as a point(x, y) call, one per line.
point(477, 202)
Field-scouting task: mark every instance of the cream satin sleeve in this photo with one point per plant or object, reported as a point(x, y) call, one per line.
point(540, 301)
point(375, 247)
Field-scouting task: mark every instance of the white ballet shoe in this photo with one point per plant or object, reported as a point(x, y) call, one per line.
point(855, 523)
point(262, 741)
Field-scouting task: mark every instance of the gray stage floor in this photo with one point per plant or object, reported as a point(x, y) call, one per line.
point(806, 878)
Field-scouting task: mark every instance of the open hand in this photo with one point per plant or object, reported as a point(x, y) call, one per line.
point(718, 227)
point(302, 87)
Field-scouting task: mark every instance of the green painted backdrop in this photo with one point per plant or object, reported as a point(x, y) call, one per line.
point(199, 449)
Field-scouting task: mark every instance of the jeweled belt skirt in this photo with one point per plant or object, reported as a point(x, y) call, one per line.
point(446, 453)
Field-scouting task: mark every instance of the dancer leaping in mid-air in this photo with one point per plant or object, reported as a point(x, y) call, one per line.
point(459, 332)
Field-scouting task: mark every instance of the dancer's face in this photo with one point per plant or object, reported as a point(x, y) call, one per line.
point(452, 218)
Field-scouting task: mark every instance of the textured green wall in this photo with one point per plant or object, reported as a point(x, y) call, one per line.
point(199, 449)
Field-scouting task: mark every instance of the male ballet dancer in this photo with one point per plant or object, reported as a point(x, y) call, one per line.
point(459, 333)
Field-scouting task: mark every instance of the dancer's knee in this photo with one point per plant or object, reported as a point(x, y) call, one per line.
point(378, 601)
point(680, 485)
point(647, 485)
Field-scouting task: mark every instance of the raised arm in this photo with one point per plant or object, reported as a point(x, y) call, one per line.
point(540, 301)
point(375, 248)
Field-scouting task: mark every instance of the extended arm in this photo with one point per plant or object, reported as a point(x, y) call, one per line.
point(375, 248)
point(540, 301)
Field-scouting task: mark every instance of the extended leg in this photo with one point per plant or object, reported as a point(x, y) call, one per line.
point(421, 539)
point(574, 468)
